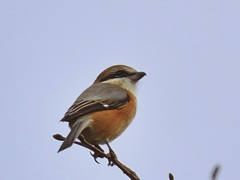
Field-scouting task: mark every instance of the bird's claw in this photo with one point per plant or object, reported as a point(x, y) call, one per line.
point(113, 157)
point(95, 156)
point(110, 163)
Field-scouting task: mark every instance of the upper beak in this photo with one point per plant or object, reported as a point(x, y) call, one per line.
point(137, 76)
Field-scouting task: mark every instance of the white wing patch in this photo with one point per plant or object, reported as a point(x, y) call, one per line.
point(105, 105)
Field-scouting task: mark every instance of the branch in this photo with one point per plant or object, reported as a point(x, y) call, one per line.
point(215, 172)
point(131, 174)
point(171, 177)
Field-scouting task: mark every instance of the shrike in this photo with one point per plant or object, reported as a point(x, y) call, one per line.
point(104, 110)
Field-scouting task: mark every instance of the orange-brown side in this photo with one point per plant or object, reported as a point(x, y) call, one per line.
point(109, 124)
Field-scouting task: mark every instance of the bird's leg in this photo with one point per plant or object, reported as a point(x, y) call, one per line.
point(96, 155)
point(88, 145)
point(112, 155)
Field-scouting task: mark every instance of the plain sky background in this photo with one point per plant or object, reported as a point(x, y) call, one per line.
point(188, 116)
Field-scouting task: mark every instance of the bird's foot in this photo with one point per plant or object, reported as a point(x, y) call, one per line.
point(112, 155)
point(97, 155)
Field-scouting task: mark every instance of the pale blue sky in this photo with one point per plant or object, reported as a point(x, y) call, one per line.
point(188, 104)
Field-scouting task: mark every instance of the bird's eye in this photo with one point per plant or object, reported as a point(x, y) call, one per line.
point(121, 73)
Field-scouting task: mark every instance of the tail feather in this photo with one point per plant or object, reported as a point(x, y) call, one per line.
point(74, 133)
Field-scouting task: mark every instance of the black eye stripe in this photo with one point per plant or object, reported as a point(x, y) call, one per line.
point(117, 74)
point(121, 73)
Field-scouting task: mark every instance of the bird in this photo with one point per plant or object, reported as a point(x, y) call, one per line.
point(104, 110)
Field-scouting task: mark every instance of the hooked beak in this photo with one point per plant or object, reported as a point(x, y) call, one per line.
point(137, 76)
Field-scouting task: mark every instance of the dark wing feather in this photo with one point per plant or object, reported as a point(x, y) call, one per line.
point(84, 107)
point(98, 97)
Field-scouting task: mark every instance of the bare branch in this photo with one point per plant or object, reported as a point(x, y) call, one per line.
point(171, 177)
point(130, 173)
point(215, 172)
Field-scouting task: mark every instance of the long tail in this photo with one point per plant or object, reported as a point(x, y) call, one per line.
point(74, 133)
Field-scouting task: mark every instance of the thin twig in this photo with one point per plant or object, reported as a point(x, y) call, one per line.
point(171, 177)
point(215, 172)
point(130, 173)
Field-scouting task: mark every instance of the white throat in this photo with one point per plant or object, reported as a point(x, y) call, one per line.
point(124, 83)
